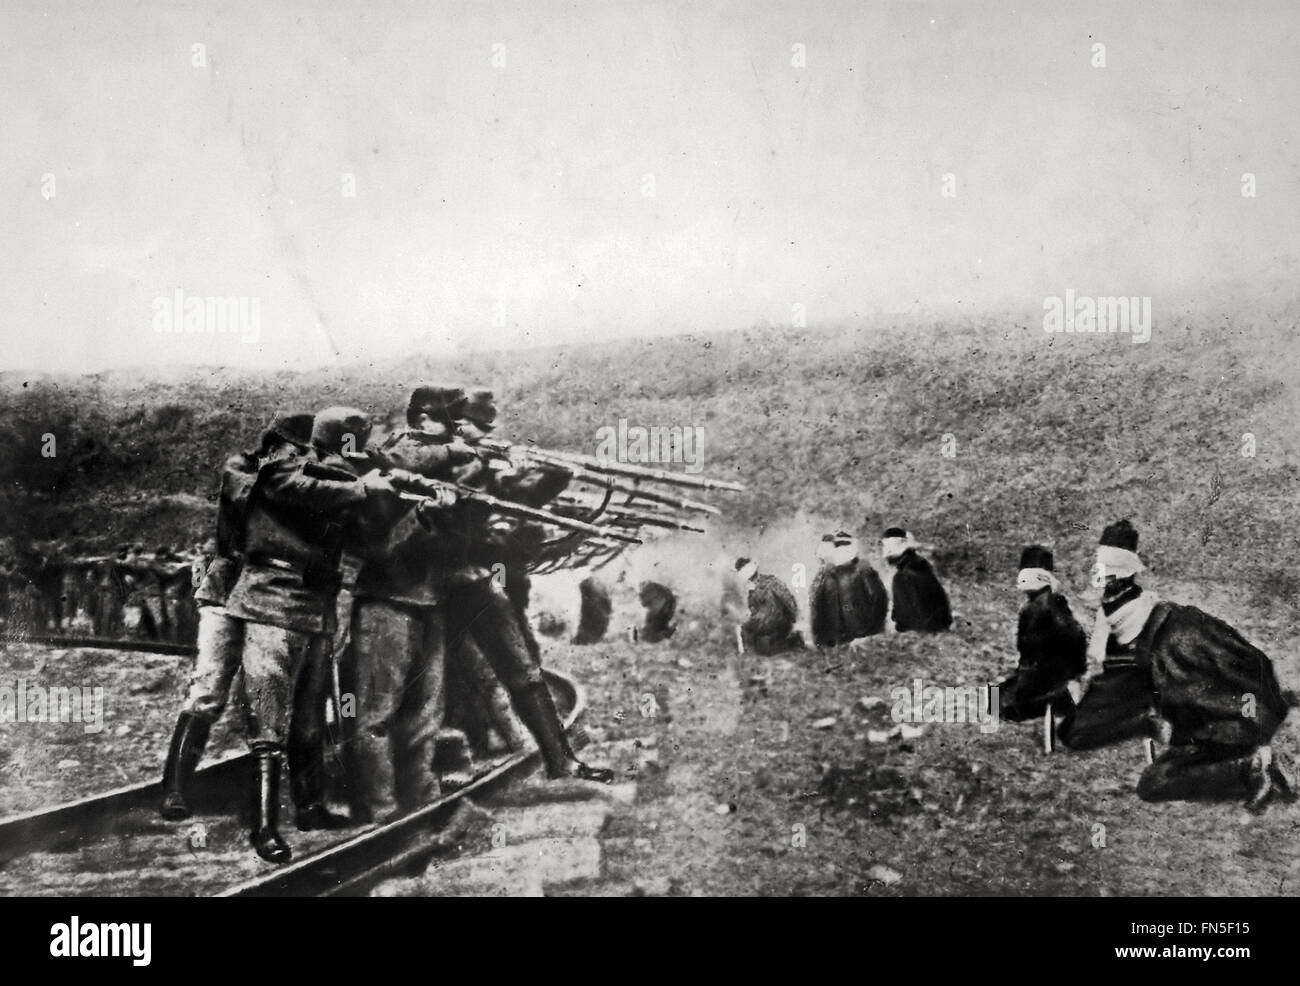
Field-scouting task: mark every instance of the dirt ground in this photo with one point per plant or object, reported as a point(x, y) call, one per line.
point(767, 780)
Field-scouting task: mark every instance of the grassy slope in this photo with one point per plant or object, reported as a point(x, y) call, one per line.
point(1054, 435)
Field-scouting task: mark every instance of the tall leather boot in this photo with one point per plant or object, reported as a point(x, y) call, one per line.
point(265, 836)
point(188, 740)
point(537, 709)
point(307, 786)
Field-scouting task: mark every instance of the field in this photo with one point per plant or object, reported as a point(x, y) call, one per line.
point(979, 438)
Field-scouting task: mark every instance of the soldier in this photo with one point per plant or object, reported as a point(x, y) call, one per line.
point(295, 520)
point(111, 596)
point(595, 611)
point(221, 636)
point(140, 608)
point(477, 701)
point(772, 612)
point(1053, 647)
point(479, 609)
point(49, 563)
point(396, 663)
point(660, 606)
point(181, 604)
point(918, 598)
point(1217, 695)
point(847, 600)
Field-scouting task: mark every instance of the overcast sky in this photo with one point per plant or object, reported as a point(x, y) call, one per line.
point(539, 172)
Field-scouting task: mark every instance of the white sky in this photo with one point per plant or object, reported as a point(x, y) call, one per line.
point(499, 206)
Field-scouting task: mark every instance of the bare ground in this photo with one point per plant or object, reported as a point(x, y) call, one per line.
point(744, 786)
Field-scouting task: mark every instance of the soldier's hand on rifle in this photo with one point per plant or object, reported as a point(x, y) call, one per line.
point(400, 477)
point(460, 453)
point(437, 497)
point(377, 482)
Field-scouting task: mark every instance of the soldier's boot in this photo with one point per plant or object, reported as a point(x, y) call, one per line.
point(188, 741)
point(453, 762)
point(265, 836)
point(537, 709)
point(307, 785)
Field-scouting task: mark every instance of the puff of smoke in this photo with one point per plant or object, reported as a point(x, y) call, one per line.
point(700, 568)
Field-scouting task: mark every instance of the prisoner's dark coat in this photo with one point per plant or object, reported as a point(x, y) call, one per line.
point(1053, 649)
point(660, 606)
point(772, 609)
point(1211, 684)
point(846, 602)
point(593, 619)
point(920, 602)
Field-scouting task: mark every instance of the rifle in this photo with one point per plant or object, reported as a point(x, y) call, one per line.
point(625, 516)
point(574, 462)
point(509, 509)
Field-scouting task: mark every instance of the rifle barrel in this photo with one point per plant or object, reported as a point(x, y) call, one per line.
point(567, 460)
point(510, 509)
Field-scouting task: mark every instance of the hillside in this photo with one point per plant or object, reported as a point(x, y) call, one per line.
point(1048, 438)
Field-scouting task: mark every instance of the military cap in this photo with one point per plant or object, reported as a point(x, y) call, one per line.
point(291, 427)
point(332, 427)
point(480, 407)
point(442, 401)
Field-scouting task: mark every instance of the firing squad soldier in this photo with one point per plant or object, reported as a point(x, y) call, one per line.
point(480, 610)
point(396, 663)
point(479, 704)
point(338, 441)
point(221, 636)
point(297, 513)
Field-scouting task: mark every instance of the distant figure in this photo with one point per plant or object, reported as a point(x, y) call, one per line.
point(772, 613)
point(593, 620)
point(660, 605)
point(919, 600)
point(847, 599)
point(1053, 647)
point(111, 596)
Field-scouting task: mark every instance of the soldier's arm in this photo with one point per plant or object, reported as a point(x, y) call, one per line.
point(531, 487)
point(288, 483)
point(433, 460)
